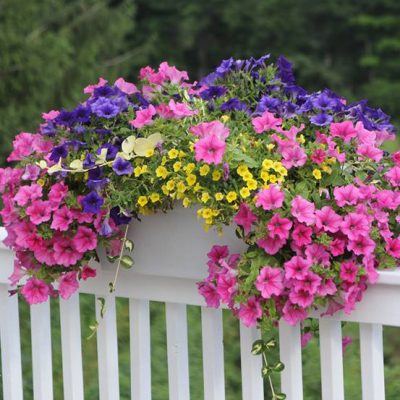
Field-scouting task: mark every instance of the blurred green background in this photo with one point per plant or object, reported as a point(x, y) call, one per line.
point(51, 49)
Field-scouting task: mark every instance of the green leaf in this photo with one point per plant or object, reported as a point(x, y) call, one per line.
point(239, 156)
point(258, 347)
point(127, 262)
point(279, 396)
point(102, 303)
point(279, 367)
point(129, 245)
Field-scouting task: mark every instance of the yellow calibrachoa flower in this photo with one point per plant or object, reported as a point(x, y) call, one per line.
point(165, 189)
point(281, 170)
point(161, 172)
point(252, 184)
point(149, 152)
point(186, 202)
point(327, 169)
point(267, 164)
point(164, 160)
point(170, 185)
point(181, 154)
point(207, 213)
point(273, 178)
point(264, 175)
point(191, 179)
point(301, 139)
point(41, 182)
point(177, 166)
point(225, 118)
point(181, 187)
point(205, 197)
point(173, 153)
point(244, 192)
point(317, 174)
point(242, 169)
point(270, 146)
point(219, 196)
point(138, 171)
point(189, 168)
point(231, 197)
point(204, 170)
point(197, 187)
point(216, 175)
point(142, 201)
point(144, 169)
point(154, 197)
point(247, 176)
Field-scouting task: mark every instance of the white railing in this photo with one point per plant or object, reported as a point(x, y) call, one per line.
point(380, 306)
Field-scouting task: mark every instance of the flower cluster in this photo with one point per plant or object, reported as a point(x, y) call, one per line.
point(302, 175)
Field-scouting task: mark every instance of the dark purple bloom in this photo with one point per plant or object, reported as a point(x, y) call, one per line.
point(89, 161)
point(233, 104)
point(226, 171)
point(82, 114)
point(285, 71)
point(105, 91)
point(79, 129)
point(321, 119)
point(92, 203)
point(95, 173)
point(212, 92)
point(122, 167)
point(289, 109)
point(111, 151)
point(105, 108)
point(58, 152)
point(65, 118)
point(105, 228)
point(268, 103)
point(144, 103)
point(119, 217)
point(48, 129)
point(97, 184)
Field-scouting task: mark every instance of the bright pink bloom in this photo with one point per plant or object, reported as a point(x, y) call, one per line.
point(250, 312)
point(270, 282)
point(337, 247)
point(348, 271)
point(271, 245)
point(293, 314)
point(318, 156)
point(209, 292)
point(326, 288)
point(68, 284)
point(180, 110)
point(305, 339)
point(393, 247)
point(270, 198)
point(144, 117)
point(303, 210)
point(317, 254)
point(296, 268)
point(27, 194)
point(217, 253)
point(362, 245)
point(346, 341)
point(57, 194)
point(90, 89)
point(84, 240)
point(172, 73)
point(355, 225)
point(371, 152)
point(45, 253)
point(301, 297)
point(62, 219)
point(49, 116)
point(309, 282)
point(279, 227)
point(245, 218)
point(327, 220)
point(22, 146)
point(226, 287)
point(293, 156)
point(35, 291)
point(345, 130)
point(88, 272)
point(39, 212)
point(65, 252)
point(125, 87)
point(266, 122)
point(393, 176)
point(396, 158)
point(301, 235)
point(207, 128)
point(346, 195)
point(210, 149)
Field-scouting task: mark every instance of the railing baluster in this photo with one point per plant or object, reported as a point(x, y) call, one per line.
point(290, 354)
point(213, 354)
point(71, 348)
point(331, 359)
point(107, 350)
point(372, 365)
point(41, 351)
point(10, 345)
point(252, 382)
point(177, 343)
point(139, 317)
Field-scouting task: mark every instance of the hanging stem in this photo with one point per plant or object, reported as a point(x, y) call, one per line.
point(112, 285)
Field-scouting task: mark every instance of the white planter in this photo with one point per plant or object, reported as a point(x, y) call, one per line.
point(174, 244)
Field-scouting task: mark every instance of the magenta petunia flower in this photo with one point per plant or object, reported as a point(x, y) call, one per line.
point(369, 151)
point(207, 128)
point(180, 110)
point(217, 253)
point(226, 287)
point(65, 252)
point(210, 149)
point(293, 156)
point(27, 194)
point(296, 268)
point(271, 245)
point(210, 294)
point(62, 219)
point(327, 220)
point(292, 313)
point(279, 227)
point(270, 198)
point(245, 218)
point(309, 282)
point(301, 235)
point(393, 176)
point(346, 195)
point(301, 297)
point(355, 225)
point(270, 282)
point(68, 284)
point(266, 122)
point(125, 87)
point(362, 245)
point(35, 291)
point(144, 117)
point(84, 240)
point(88, 272)
point(344, 130)
point(303, 210)
point(250, 312)
point(348, 271)
point(39, 212)
point(393, 247)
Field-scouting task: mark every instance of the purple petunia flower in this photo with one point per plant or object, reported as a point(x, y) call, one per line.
point(105, 108)
point(65, 118)
point(92, 203)
point(89, 161)
point(48, 129)
point(122, 167)
point(321, 119)
point(233, 104)
point(58, 152)
point(111, 151)
point(105, 228)
point(119, 217)
point(212, 92)
point(82, 114)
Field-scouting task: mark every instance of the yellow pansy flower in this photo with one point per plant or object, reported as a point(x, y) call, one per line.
point(317, 174)
point(231, 197)
point(142, 201)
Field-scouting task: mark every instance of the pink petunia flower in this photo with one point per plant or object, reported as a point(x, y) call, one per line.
point(90, 89)
point(245, 218)
point(393, 176)
point(293, 314)
point(348, 271)
point(393, 247)
point(207, 128)
point(305, 339)
point(337, 247)
point(210, 294)
point(62, 219)
point(318, 156)
point(344, 130)
point(326, 287)
point(317, 254)
point(296, 268)
point(309, 282)
point(293, 156)
point(49, 116)
point(27, 194)
point(68, 284)
point(303, 210)
point(125, 87)
point(266, 122)
point(271, 245)
point(270, 282)
point(84, 240)
point(327, 220)
point(144, 117)
point(362, 245)
point(180, 110)
point(22, 146)
point(369, 151)
point(355, 225)
point(301, 235)
point(65, 252)
point(270, 198)
point(35, 291)
point(88, 272)
point(172, 73)
point(39, 212)
point(279, 227)
point(346, 341)
point(226, 287)
point(301, 297)
point(346, 195)
point(210, 149)
point(45, 253)
point(250, 312)
point(217, 253)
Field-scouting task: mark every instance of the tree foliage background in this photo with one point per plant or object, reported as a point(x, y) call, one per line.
point(51, 49)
